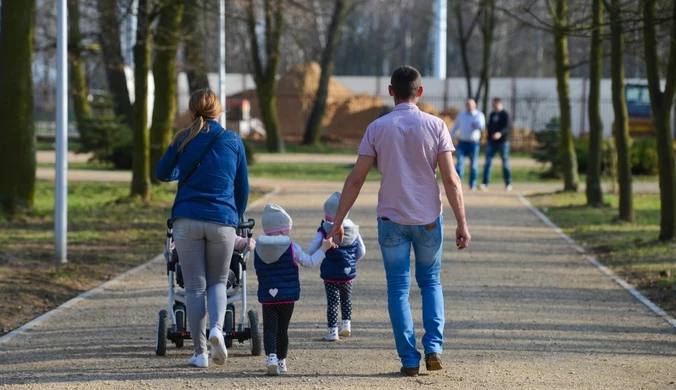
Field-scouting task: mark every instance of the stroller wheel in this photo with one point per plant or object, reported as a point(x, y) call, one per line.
point(229, 323)
point(255, 342)
point(162, 332)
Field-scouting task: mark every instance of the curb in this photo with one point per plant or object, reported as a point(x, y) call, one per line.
point(605, 270)
point(81, 297)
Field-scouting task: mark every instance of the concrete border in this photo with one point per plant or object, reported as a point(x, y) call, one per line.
point(606, 271)
point(73, 301)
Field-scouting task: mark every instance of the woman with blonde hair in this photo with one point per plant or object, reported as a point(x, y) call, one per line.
point(213, 187)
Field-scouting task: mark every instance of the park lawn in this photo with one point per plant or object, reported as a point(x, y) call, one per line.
point(109, 233)
point(629, 249)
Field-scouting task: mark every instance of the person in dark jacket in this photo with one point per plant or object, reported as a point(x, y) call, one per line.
point(339, 269)
point(498, 142)
point(276, 261)
point(209, 204)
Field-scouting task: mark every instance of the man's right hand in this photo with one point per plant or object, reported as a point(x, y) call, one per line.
point(337, 230)
point(462, 237)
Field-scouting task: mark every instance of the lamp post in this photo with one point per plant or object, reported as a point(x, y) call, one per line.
point(221, 58)
point(440, 44)
point(61, 174)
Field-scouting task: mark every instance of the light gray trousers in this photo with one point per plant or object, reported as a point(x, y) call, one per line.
point(204, 252)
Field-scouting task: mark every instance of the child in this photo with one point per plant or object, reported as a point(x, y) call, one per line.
point(339, 269)
point(276, 262)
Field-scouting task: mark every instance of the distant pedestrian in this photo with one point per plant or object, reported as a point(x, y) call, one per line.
point(409, 146)
point(498, 142)
point(471, 123)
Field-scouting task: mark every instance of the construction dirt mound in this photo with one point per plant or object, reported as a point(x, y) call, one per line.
point(346, 116)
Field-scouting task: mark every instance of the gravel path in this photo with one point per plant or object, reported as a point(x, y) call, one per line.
point(524, 311)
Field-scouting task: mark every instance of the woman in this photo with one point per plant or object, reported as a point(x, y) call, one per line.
point(211, 199)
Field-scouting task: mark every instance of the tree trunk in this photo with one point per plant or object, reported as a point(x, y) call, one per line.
point(622, 140)
point(487, 31)
point(594, 191)
point(17, 125)
point(568, 157)
point(111, 51)
point(140, 182)
point(193, 49)
point(462, 41)
point(78, 81)
point(267, 97)
point(661, 103)
point(266, 76)
point(164, 73)
point(313, 130)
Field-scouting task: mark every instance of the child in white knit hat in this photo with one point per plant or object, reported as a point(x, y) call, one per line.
point(338, 269)
point(276, 261)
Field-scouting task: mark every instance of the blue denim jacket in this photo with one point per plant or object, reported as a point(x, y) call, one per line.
point(218, 190)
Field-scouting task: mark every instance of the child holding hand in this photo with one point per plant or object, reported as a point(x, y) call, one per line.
point(276, 261)
point(339, 269)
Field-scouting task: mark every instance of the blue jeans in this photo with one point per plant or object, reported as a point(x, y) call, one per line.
point(468, 149)
point(395, 244)
point(503, 149)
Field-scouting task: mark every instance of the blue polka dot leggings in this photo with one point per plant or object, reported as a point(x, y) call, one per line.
point(338, 294)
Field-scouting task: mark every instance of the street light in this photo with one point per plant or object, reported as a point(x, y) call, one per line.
point(61, 174)
point(221, 58)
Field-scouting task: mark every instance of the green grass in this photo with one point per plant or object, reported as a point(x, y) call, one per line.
point(95, 166)
point(325, 148)
point(629, 249)
point(44, 145)
point(108, 233)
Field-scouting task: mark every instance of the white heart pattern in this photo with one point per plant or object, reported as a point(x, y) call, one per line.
point(347, 270)
point(273, 292)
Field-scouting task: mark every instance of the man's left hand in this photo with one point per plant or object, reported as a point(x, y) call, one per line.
point(337, 230)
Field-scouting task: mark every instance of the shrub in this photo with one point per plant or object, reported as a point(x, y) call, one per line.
point(249, 149)
point(644, 157)
point(547, 149)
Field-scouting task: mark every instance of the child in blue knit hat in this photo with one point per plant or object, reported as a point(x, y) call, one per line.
point(276, 261)
point(339, 269)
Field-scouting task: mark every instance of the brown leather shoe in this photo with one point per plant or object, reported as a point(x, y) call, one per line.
point(413, 371)
point(433, 361)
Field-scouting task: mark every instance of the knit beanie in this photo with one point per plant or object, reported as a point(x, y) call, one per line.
point(331, 205)
point(275, 219)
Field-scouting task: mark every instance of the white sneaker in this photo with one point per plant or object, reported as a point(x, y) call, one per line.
point(282, 365)
point(218, 351)
point(346, 329)
point(332, 335)
point(508, 187)
point(201, 361)
point(483, 187)
point(272, 365)
point(472, 188)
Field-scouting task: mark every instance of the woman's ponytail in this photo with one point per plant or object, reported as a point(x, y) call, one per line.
point(203, 105)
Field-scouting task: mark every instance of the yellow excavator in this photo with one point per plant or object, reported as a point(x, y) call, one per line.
point(638, 110)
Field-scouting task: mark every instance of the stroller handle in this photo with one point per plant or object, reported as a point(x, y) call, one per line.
point(246, 225)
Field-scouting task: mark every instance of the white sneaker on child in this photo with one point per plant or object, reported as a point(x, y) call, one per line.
point(272, 365)
point(218, 351)
point(346, 329)
point(332, 335)
point(201, 361)
point(282, 365)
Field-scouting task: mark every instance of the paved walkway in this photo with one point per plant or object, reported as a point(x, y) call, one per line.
point(524, 312)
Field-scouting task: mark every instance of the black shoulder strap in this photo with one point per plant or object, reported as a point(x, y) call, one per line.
point(199, 160)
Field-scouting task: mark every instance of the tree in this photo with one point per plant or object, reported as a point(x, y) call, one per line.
point(487, 25)
point(464, 36)
point(78, 82)
point(661, 102)
point(559, 15)
point(140, 182)
point(111, 50)
point(313, 130)
point(164, 73)
point(622, 139)
point(193, 48)
point(17, 126)
point(266, 64)
point(594, 191)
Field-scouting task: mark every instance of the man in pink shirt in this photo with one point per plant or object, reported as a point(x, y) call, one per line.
point(409, 145)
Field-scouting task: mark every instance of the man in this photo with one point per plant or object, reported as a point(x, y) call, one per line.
point(409, 145)
point(498, 141)
point(470, 123)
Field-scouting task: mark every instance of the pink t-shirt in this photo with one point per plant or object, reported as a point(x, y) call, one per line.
point(406, 143)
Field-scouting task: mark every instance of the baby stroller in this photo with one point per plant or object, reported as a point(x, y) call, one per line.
point(172, 322)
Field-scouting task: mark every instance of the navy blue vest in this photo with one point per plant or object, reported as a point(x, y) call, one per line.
point(278, 281)
point(340, 263)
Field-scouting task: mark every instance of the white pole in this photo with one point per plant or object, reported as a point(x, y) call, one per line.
point(221, 57)
point(440, 49)
point(61, 177)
